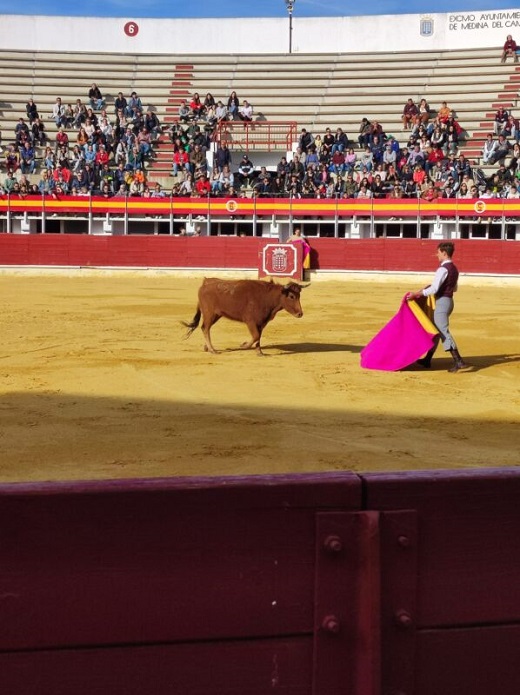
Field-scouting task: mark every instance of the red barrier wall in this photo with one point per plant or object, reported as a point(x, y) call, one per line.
point(473, 256)
point(313, 585)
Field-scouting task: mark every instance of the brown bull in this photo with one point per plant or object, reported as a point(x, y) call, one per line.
point(253, 302)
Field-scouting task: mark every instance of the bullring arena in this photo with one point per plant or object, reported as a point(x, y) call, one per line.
point(99, 382)
point(175, 521)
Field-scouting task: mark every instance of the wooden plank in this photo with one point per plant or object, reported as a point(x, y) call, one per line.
point(468, 541)
point(161, 561)
point(229, 668)
point(479, 661)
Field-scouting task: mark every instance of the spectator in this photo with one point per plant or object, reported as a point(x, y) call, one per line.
point(510, 49)
point(209, 101)
point(512, 193)
point(327, 145)
point(31, 110)
point(181, 161)
point(196, 106)
point(424, 112)
point(415, 157)
point(68, 116)
point(376, 130)
point(501, 118)
point(144, 140)
point(364, 132)
point(221, 112)
point(489, 149)
point(451, 144)
point(120, 103)
point(462, 168)
point(389, 155)
point(152, 124)
point(337, 166)
point(27, 159)
point(185, 114)
point(203, 185)
point(245, 171)
point(58, 112)
point(367, 160)
point(95, 97)
point(223, 156)
point(21, 132)
point(80, 114)
point(233, 105)
point(38, 135)
point(444, 112)
point(46, 183)
point(340, 141)
point(245, 112)
point(134, 105)
point(464, 192)
point(511, 128)
point(198, 164)
point(226, 180)
point(350, 159)
point(306, 140)
point(296, 167)
point(410, 114)
point(514, 163)
point(502, 150)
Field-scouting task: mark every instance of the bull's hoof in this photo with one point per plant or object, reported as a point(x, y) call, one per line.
point(245, 346)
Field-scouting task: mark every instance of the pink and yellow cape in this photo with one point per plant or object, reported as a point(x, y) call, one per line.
point(404, 339)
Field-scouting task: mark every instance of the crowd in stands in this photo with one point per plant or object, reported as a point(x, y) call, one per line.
point(94, 152)
point(106, 153)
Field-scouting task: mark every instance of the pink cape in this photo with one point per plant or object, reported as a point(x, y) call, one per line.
point(404, 339)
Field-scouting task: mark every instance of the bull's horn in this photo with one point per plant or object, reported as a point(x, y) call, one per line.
point(293, 282)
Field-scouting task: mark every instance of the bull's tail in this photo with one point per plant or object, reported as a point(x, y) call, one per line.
point(193, 324)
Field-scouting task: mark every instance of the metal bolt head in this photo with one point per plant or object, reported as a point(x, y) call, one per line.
point(333, 544)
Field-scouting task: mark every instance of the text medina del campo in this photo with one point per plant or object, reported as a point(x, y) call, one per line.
point(486, 20)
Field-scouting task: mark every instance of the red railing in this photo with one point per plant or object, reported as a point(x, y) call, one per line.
point(249, 207)
point(257, 135)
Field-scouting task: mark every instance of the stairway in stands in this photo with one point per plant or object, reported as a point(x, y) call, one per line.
point(181, 88)
point(508, 99)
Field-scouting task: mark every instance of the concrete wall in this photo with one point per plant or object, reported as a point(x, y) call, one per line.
point(384, 33)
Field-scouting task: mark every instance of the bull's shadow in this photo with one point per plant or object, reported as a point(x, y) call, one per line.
point(312, 347)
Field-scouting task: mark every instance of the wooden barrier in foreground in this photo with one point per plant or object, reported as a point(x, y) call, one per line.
point(304, 585)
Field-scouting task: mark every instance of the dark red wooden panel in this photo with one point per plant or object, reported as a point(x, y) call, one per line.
point(468, 541)
point(477, 661)
point(229, 668)
point(161, 561)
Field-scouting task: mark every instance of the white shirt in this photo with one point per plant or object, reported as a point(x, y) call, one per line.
point(440, 275)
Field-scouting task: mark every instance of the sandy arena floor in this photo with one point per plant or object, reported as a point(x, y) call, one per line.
point(96, 381)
